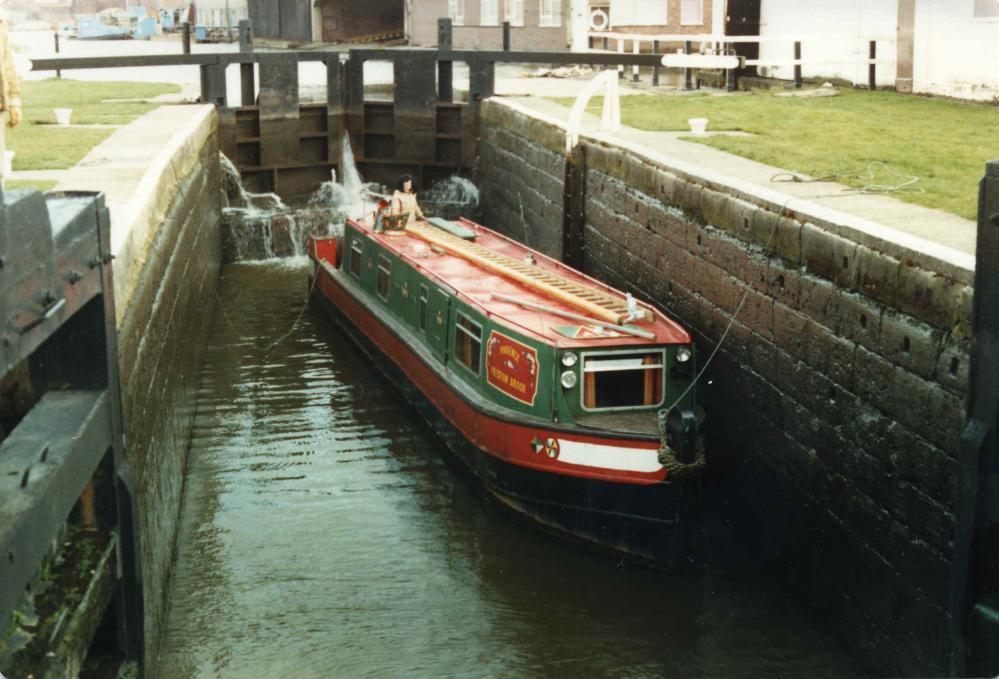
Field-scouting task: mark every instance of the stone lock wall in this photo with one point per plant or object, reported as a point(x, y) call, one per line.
point(161, 178)
point(161, 339)
point(522, 177)
point(839, 388)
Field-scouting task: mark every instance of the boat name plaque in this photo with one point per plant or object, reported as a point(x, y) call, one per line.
point(512, 367)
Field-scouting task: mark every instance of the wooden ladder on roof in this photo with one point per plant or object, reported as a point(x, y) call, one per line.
point(593, 301)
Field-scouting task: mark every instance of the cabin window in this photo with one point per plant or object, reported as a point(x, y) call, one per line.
point(356, 249)
point(384, 279)
point(424, 302)
point(467, 343)
point(622, 380)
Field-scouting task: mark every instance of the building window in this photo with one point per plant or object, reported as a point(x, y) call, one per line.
point(692, 12)
point(490, 13)
point(384, 280)
point(356, 249)
point(424, 301)
point(456, 10)
point(986, 9)
point(467, 343)
point(638, 13)
point(616, 380)
point(551, 13)
point(515, 12)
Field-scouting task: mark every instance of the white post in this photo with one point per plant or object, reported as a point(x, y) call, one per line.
point(718, 17)
point(579, 25)
point(620, 50)
point(615, 96)
point(607, 114)
point(317, 22)
point(635, 49)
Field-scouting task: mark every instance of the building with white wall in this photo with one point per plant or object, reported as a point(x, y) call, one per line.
point(834, 38)
point(956, 48)
point(945, 47)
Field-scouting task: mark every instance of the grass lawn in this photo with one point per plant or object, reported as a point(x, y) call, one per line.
point(944, 143)
point(40, 145)
point(36, 184)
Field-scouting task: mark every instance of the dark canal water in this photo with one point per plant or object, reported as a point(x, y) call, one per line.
point(324, 536)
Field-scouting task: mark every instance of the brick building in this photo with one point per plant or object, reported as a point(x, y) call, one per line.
point(659, 16)
point(562, 24)
point(535, 24)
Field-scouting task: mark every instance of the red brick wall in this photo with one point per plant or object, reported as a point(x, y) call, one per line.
point(349, 19)
point(530, 36)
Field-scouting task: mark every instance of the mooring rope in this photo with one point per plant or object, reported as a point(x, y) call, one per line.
point(294, 326)
point(731, 320)
point(298, 319)
point(674, 467)
point(907, 183)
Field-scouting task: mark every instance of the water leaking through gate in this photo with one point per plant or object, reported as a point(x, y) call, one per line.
point(258, 226)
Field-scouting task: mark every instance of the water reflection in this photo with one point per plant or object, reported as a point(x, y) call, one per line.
point(323, 536)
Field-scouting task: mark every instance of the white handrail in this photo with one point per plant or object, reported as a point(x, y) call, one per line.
point(817, 62)
point(718, 37)
point(610, 119)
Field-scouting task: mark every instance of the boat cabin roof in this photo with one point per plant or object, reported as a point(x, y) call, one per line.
point(478, 286)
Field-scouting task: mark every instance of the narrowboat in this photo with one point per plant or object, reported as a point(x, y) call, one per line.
point(570, 403)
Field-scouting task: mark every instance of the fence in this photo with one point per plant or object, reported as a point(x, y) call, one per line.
point(711, 43)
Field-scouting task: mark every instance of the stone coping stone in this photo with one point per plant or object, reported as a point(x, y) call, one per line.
point(906, 247)
point(139, 169)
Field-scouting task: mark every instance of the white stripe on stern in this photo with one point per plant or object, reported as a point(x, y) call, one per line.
point(609, 457)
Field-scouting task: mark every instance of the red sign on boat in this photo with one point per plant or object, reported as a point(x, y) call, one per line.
point(512, 367)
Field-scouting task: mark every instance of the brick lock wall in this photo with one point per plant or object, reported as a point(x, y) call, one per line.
point(840, 387)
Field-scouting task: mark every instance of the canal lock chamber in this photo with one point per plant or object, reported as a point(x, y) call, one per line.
point(852, 523)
